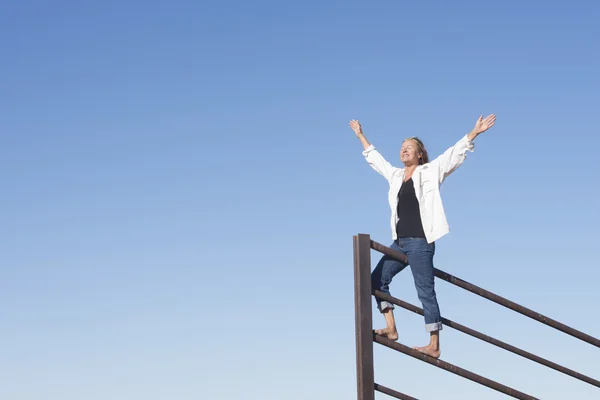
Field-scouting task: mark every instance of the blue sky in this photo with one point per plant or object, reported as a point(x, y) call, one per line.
point(180, 189)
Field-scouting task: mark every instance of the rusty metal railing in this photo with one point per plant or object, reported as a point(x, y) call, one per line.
point(365, 337)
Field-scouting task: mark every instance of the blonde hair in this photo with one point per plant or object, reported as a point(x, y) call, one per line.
point(420, 149)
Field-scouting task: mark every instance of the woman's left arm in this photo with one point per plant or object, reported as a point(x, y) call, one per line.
point(453, 158)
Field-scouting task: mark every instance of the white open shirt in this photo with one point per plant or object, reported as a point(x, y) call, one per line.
point(427, 179)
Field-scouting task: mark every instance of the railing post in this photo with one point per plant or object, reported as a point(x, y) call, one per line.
point(363, 317)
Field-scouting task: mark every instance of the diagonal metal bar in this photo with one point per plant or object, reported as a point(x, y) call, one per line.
point(393, 393)
point(494, 297)
point(390, 252)
point(491, 340)
point(452, 368)
point(517, 307)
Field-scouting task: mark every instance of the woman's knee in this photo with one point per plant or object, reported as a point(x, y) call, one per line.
point(426, 292)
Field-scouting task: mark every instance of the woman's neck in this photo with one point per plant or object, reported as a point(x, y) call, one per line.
point(408, 171)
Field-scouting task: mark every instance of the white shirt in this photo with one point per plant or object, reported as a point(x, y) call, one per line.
point(427, 179)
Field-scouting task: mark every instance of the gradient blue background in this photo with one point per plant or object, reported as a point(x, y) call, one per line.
point(180, 188)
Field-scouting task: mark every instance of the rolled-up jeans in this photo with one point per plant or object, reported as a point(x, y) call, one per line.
point(420, 258)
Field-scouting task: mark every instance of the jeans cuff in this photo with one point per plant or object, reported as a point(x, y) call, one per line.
point(436, 326)
point(384, 305)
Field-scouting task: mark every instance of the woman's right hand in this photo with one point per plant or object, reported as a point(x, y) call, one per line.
point(355, 125)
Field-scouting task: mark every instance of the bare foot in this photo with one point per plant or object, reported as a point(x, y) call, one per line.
point(429, 350)
point(390, 333)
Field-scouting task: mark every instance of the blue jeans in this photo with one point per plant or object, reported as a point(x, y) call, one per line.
point(420, 258)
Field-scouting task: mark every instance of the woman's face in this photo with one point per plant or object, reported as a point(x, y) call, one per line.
point(409, 153)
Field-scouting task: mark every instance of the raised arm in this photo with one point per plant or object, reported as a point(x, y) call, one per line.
point(373, 157)
point(452, 158)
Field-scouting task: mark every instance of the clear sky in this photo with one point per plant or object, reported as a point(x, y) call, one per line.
point(180, 188)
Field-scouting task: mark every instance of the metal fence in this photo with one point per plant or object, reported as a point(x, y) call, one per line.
point(365, 336)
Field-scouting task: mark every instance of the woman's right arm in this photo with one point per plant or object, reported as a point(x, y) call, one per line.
point(373, 157)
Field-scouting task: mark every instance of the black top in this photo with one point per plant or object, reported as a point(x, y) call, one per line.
point(409, 223)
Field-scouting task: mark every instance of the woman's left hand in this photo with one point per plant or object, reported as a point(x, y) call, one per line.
point(483, 125)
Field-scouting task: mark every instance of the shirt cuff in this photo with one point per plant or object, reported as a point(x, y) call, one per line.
point(368, 150)
point(470, 144)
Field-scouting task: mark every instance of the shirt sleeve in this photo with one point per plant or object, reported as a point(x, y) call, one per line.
point(378, 163)
point(451, 159)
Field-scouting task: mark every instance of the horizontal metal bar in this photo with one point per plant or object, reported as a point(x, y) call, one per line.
point(493, 297)
point(517, 307)
point(491, 340)
point(452, 368)
point(398, 255)
point(393, 393)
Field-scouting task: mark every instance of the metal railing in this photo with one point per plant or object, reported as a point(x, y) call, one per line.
point(365, 336)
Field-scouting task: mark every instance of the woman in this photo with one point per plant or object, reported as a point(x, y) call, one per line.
point(417, 220)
